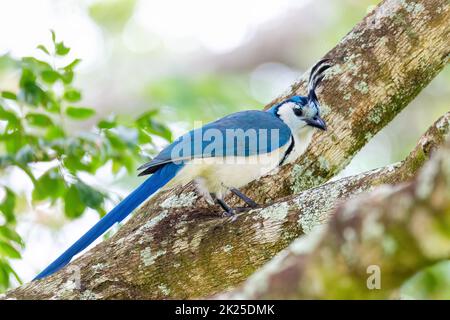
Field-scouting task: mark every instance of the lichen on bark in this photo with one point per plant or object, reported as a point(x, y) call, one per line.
point(209, 254)
point(394, 230)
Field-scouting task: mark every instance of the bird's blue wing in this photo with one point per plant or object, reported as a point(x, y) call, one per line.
point(243, 133)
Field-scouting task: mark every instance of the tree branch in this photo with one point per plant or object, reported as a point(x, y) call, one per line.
point(393, 231)
point(176, 246)
point(385, 61)
point(190, 253)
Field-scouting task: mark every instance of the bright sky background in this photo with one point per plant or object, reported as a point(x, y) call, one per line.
point(219, 25)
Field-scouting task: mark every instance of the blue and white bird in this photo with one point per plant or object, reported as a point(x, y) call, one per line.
point(221, 157)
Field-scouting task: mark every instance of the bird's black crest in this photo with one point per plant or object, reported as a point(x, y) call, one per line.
point(316, 76)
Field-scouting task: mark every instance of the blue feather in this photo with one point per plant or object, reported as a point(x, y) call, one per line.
point(244, 120)
point(120, 212)
point(300, 100)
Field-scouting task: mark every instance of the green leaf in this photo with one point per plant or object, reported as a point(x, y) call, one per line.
point(8, 204)
point(53, 35)
point(80, 113)
point(115, 141)
point(35, 64)
point(144, 137)
point(73, 163)
point(54, 132)
point(5, 160)
point(147, 122)
point(43, 48)
point(52, 104)
point(27, 77)
point(4, 275)
point(72, 95)
point(49, 186)
point(71, 65)
point(61, 49)
point(67, 77)
point(122, 161)
point(5, 272)
point(30, 92)
point(112, 14)
point(9, 234)
point(9, 116)
point(116, 166)
point(106, 124)
point(38, 120)
point(127, 161)
point(89, 196)
point(8, 62)
point(73, 206)
point(13, 141)
point(50, 76)
point(11, 271)
point(9, 95)
point(9, 251)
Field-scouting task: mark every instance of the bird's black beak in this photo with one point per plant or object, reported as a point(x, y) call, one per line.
point(317, 122)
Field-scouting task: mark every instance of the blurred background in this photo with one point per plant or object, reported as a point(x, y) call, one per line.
point(189, 60)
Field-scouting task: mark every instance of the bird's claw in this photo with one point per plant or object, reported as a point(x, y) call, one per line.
point(230, 213)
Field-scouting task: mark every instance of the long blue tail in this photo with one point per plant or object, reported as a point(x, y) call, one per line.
point(122, 210)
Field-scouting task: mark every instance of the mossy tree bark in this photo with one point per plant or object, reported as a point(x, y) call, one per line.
point(372, 244)
point(176, 246)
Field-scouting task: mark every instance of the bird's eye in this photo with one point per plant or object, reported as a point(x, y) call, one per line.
point(298, 111)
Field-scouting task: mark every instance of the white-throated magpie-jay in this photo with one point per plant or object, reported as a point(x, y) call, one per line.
point(221, 157)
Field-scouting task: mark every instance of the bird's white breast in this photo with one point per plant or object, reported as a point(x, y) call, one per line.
point(218, 174)
point(302, 139)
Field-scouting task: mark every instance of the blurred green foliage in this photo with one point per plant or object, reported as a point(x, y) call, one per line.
point(112, 15)
point(431, 283)
point(33, 129)
point(207, 95)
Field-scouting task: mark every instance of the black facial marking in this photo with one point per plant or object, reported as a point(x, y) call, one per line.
point(288, 152)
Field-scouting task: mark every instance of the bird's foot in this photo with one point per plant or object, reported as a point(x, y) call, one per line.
point(229, 211)
point(242, 209)
point(252, 204)
point(227, 214)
